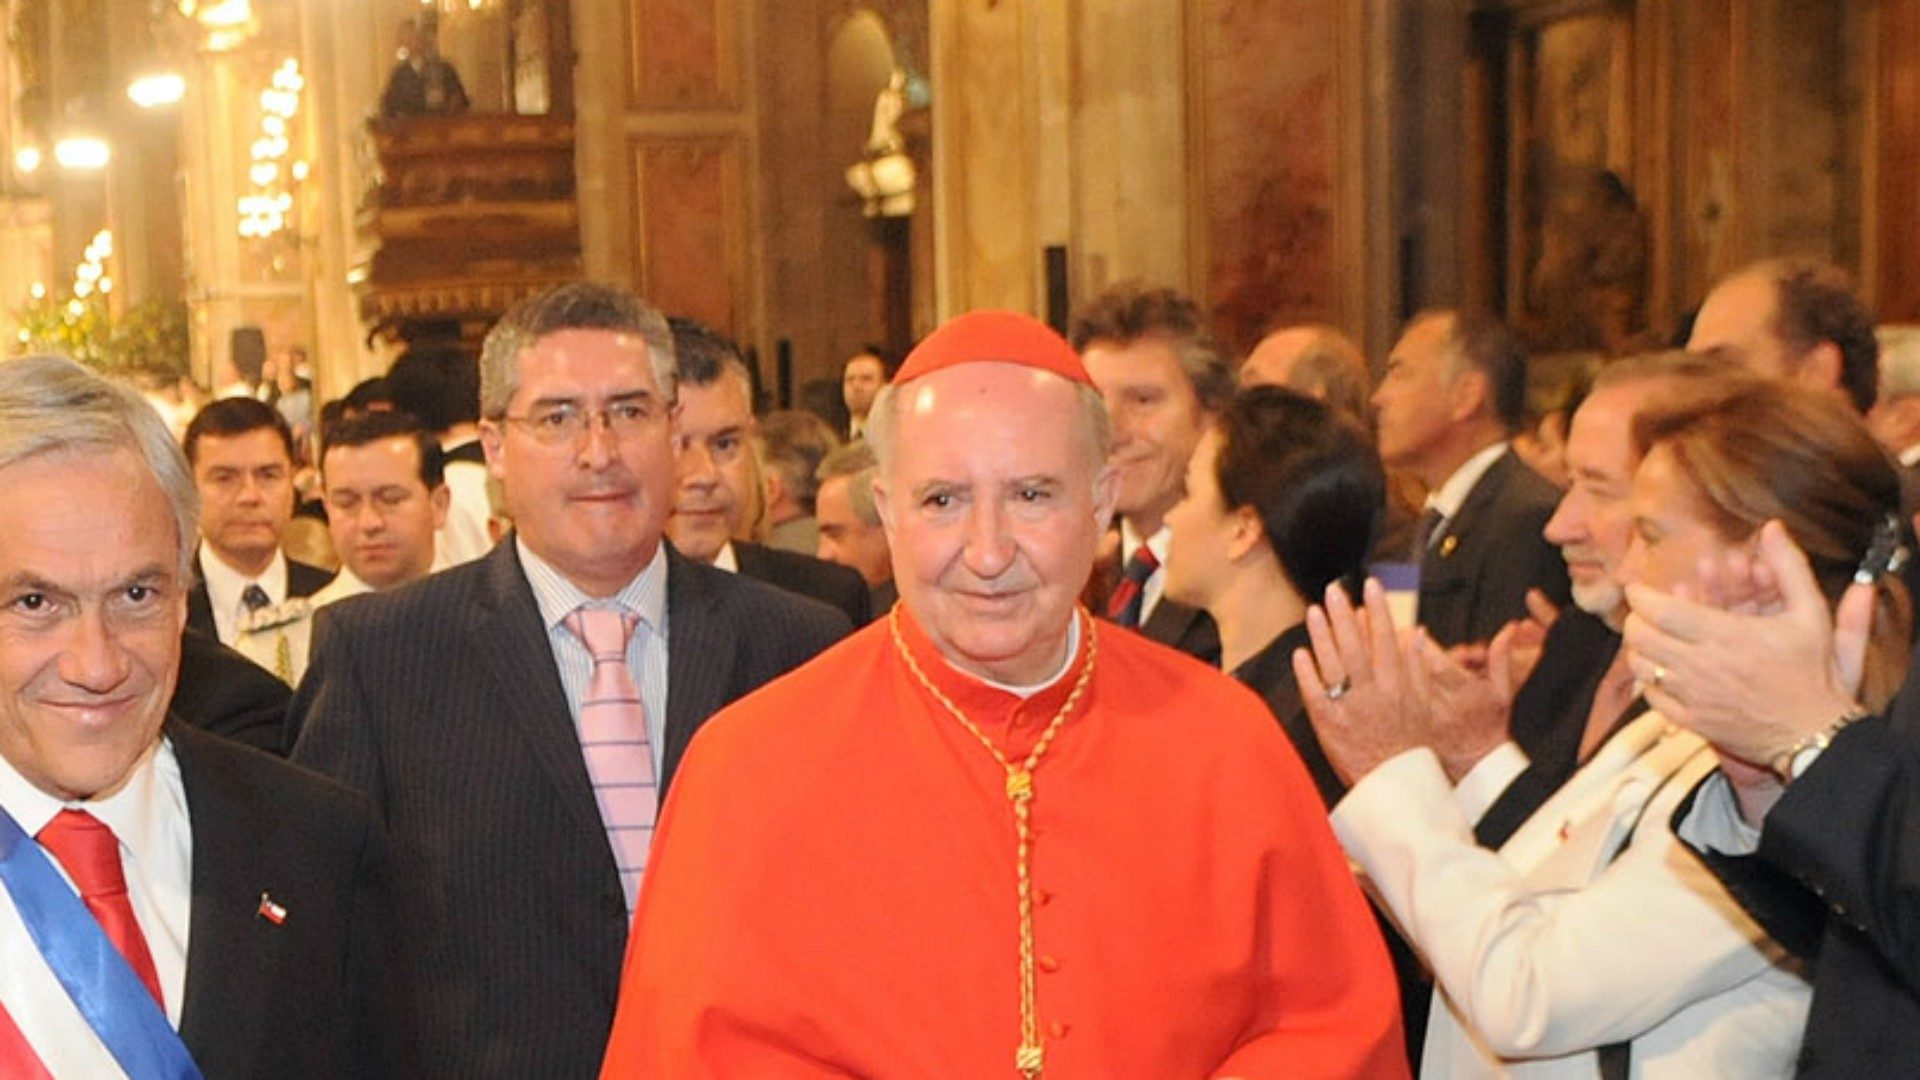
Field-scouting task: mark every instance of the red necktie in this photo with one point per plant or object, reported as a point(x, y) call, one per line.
point(1124, 605)
point(91, 855)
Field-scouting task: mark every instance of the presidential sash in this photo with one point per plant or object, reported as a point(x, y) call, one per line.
point(110, 999)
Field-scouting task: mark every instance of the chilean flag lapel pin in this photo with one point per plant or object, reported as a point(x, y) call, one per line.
point(271, 911)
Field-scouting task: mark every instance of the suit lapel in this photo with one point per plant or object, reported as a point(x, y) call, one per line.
point(510, 643)
point(232, 952)
point(200, 604)
point(700, 657)
point(1447, 572)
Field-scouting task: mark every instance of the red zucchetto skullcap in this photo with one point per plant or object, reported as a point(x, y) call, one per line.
point(1006, 336)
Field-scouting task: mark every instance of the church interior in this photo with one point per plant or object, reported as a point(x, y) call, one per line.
point(192, 184)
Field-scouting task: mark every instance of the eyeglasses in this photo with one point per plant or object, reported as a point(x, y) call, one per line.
point(563, 424)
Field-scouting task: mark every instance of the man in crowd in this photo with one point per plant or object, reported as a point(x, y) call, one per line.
point(1163, 379)
point(946, 870)
point(157, 827)
point(791, 444)
point(1316, 360)
point(441, 388)
point(516, 717)
point(242, 456)
point(1580, 690)
point(850, 529)
point(1797, 319)
point(1453, 394)
point(861, 378)
point(383, 478)
point(717, 480)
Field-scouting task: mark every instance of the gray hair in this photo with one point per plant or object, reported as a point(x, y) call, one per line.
point(581, 305)
point(51, 405)
point(885, 418)
point(856, 462)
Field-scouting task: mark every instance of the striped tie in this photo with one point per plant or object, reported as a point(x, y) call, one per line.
point(1128, 597)
point(613, 735)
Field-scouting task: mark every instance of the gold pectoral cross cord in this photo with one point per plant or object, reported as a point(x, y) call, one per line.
point(1030, 1056)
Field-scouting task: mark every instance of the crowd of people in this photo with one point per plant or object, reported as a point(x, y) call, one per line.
point(1084, 704)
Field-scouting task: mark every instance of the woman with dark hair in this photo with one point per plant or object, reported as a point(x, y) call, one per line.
point(1283, 498)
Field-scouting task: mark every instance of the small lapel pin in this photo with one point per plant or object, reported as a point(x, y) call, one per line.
point(271, 911)
point(1447, 545)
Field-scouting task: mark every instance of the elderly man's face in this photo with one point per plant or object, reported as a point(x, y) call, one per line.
point(91, 620)
point(994, 502)
point(592, 504)
point(847, 538)
point(1593, 522)
point(714, 466)
point(379, 512)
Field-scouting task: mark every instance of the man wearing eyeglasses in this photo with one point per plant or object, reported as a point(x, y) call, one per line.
point(516, 719)
point(715, 501)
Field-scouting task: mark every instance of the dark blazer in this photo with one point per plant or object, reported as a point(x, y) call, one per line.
point(1549, 718)
point(1188, 629)
point(1476, 573)
point(1835, 881)
point(224, 692)
point(318, 993)
point(441, 701)
point(829, 583)
point(302, 580)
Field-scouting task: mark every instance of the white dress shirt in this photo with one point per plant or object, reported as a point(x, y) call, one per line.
point(225, 585)
point(148, 815)
point(644, 596)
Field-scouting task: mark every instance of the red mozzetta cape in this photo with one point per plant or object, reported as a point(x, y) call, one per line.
point(831, 892)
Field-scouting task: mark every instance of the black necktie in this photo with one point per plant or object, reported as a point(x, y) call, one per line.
point(254, 597)
point(1424, 532)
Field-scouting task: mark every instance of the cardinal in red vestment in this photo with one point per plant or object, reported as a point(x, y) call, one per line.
point(988, 836)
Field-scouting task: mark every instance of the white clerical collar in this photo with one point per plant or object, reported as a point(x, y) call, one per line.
point(1448, 497)
point(727, 560)
point(225, 585)
point(1066, 663)
point(645, 595)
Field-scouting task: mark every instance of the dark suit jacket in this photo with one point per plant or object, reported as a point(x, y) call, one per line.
point(1835, 880)
point(1476, 574)
point(829, 583)
point(302, 580)
point(318, 994)
point(224, 692)
point(1188, 629)
point(441, 701)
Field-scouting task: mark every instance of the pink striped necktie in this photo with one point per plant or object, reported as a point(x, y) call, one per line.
point(613, 736)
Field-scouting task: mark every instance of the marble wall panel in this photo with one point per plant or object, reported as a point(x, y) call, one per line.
point(685, 54)
point(692, 227)
point(1265, 102)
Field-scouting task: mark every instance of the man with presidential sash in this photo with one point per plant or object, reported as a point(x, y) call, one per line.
point(171, 904)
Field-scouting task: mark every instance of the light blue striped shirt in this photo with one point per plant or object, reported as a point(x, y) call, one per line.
point(644, 596)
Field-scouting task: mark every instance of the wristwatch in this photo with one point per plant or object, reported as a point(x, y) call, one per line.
point(1788, 764)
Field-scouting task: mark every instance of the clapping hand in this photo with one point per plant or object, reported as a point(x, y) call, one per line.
point(1364, 690)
